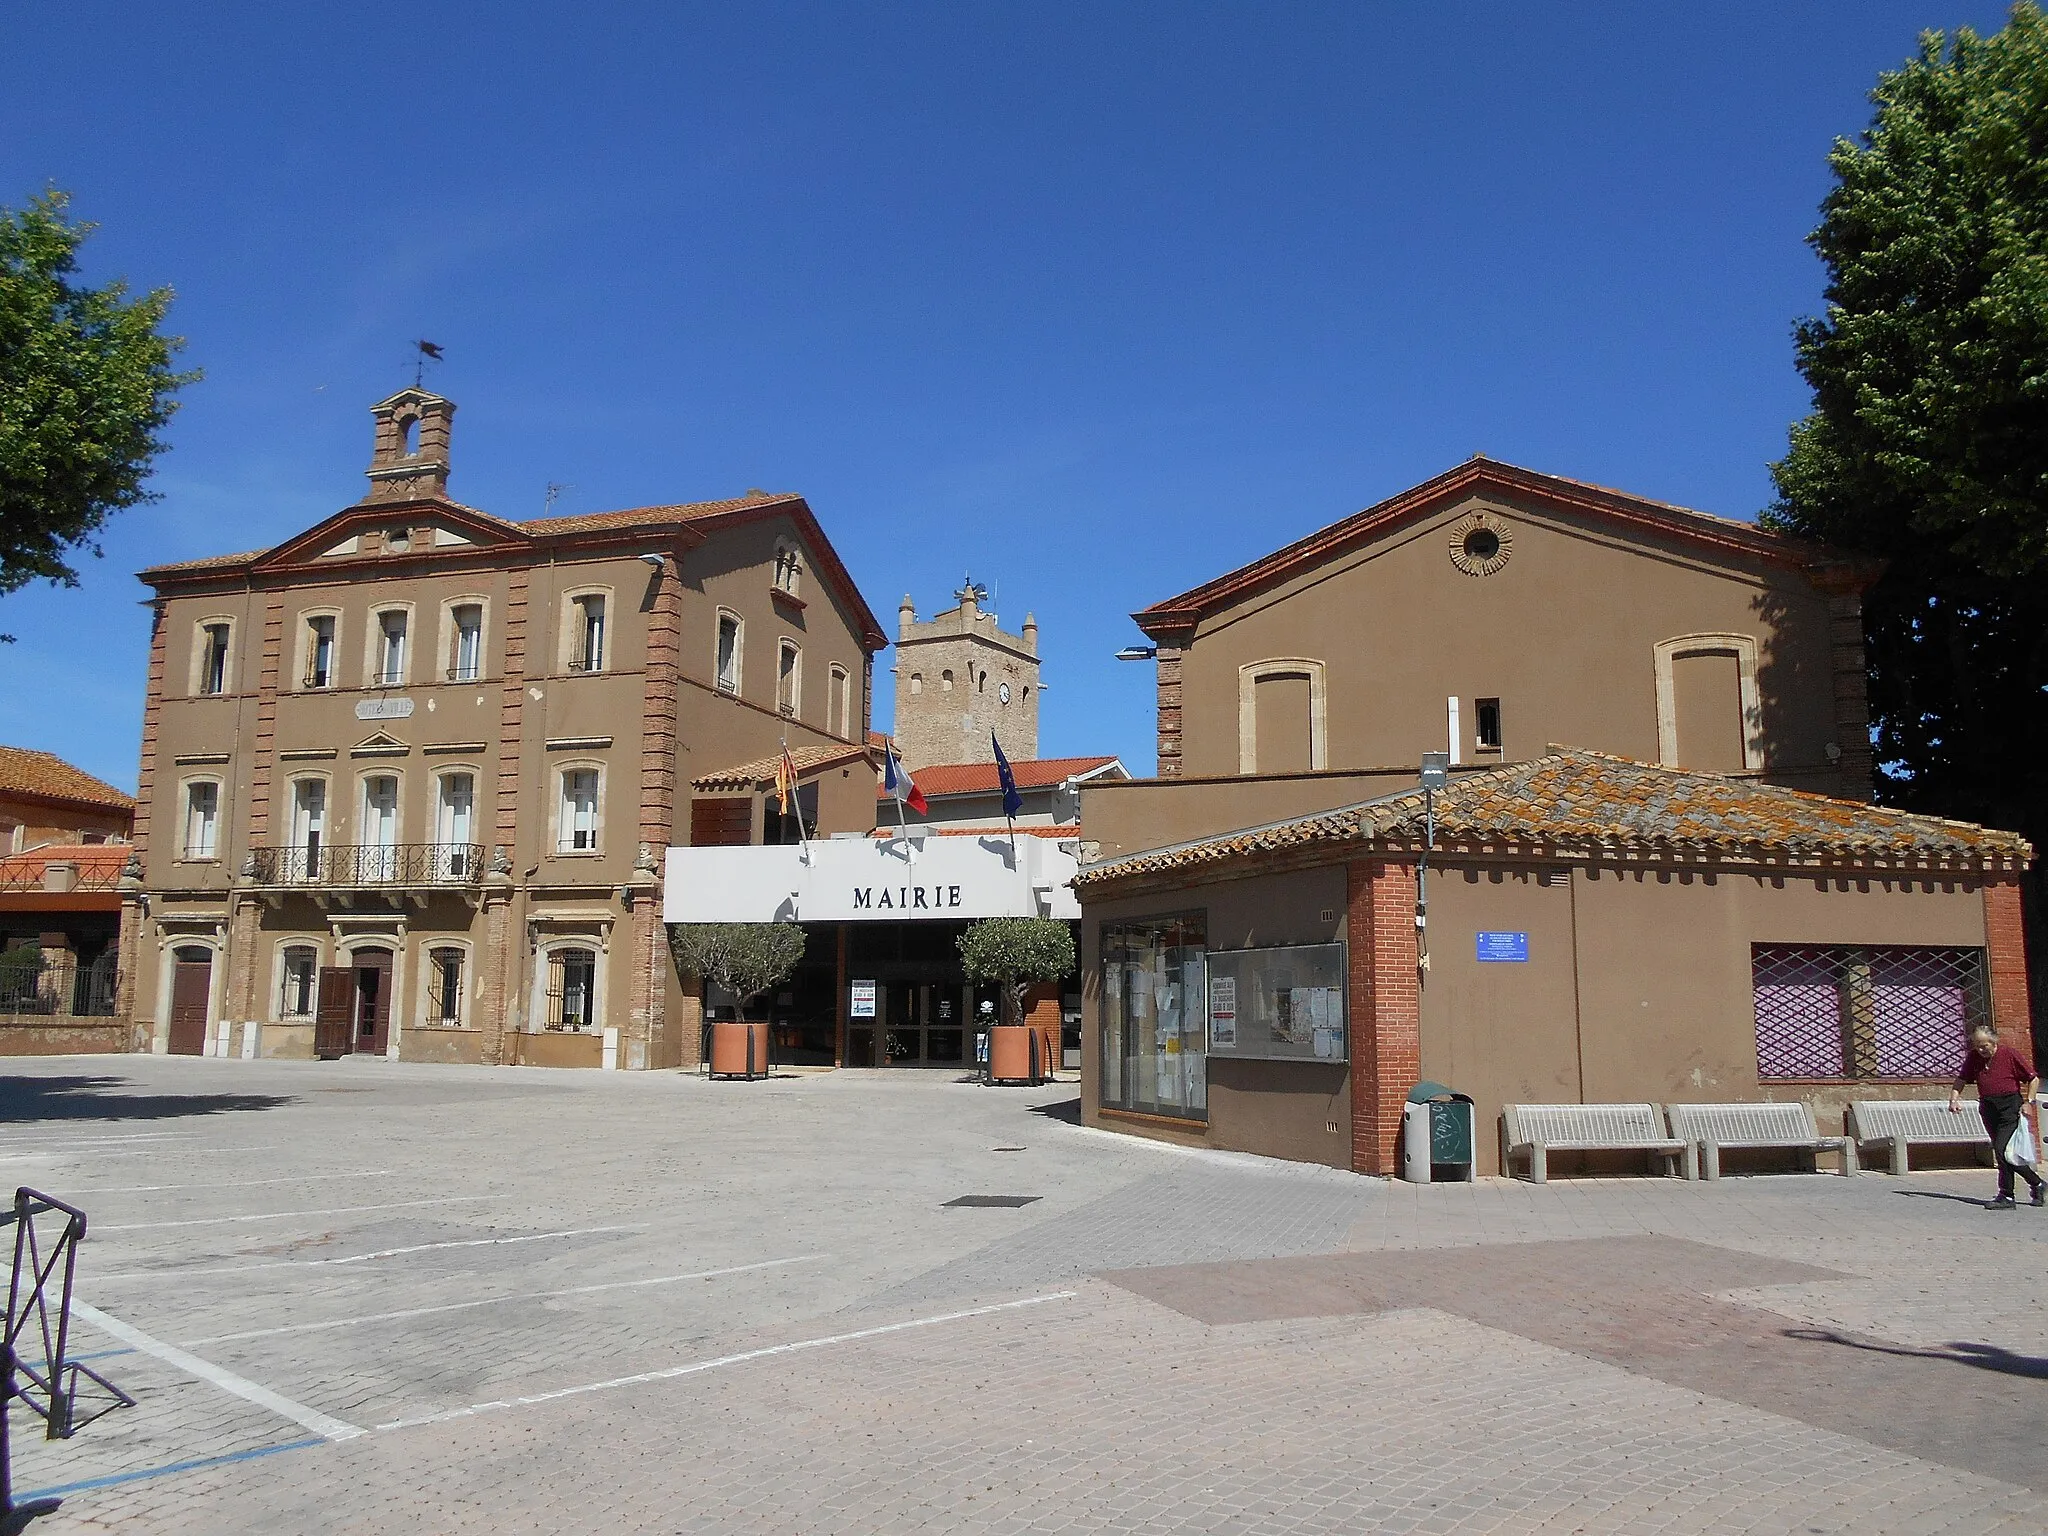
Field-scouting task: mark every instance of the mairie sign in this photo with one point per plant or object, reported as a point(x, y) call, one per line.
point(866, 880)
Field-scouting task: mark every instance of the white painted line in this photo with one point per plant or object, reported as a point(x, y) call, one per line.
point(332, 1210)
point(358, 1258)
point(492, 1301)
point(149, 1151)
point(87, 1141)
point(299, 1178)
point(240, 1386)
point(672, 1372)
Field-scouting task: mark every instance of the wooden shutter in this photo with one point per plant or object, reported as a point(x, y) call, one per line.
point(332, 1023)
point(722, 821)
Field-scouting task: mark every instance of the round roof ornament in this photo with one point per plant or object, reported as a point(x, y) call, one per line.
point(1481, 543)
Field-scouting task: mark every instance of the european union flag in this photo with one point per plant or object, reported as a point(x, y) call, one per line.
point(1012, 801)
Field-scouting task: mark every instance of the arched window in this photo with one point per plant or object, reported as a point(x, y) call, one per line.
point(571, 998)
point(946, 681)
point(445, 984)
point(298, 983)
point(916, 684)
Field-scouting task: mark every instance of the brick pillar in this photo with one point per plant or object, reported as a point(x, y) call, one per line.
point(499, 970)
point(2005, 944)
point(238, 996)
point(687, 1018)
point(1385, 1007)
point(130, 966)
point(645, 1021)
point(1169, 662)
point(1851, 679)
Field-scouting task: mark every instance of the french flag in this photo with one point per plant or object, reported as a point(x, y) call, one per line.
point(897, 781)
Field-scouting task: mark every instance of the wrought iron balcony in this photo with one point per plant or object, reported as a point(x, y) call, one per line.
point(372, 865)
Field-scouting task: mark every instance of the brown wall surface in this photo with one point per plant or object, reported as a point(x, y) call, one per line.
point(1564, 635)
point(43, 821)
point(36, 1035)
point(1123, 816)
point(1637, 987)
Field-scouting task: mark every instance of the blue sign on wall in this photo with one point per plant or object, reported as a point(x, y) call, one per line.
point(1503, 946)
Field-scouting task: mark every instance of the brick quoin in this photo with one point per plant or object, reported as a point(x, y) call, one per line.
point(2005, 943)
point(1385, 1007)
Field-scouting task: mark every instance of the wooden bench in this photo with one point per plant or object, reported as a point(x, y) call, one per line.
point(1710, 1127)
point(1537, 1130)
point(1895, 1125)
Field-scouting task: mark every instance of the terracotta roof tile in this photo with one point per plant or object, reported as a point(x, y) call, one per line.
point(1580, 801)
point(45, 776)
point(980, 778)
point(1058, 834)
point(637, 517)
point(762, 769)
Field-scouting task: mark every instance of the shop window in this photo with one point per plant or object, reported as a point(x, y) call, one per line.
point(1486, 724)
point(445, 977)
point(1155, 1017)
point(1854, 1012)
point(572, 990)
point(299, 991)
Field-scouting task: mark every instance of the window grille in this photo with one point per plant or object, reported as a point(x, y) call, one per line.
point(447, 999)
point(572, 989)
point(1847, 1011)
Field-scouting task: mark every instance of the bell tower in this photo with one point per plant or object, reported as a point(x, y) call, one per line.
point(409, 455)
point(958, 678)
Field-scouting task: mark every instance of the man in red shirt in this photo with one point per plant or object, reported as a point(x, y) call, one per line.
point(2004, 1080)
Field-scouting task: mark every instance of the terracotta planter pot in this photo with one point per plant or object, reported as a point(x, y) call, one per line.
point(1016, 1054)
point(739, 1049)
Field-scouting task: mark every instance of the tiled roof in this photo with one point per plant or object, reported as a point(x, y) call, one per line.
point(1574, 801)
point(637, 517)
point(762, 770)
point(980, 778)
point(45, 776)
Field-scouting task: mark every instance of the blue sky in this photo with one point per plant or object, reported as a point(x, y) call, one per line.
point(1094, 300)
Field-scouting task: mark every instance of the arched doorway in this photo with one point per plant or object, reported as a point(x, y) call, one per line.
point(370, 1005)
point(191, 990)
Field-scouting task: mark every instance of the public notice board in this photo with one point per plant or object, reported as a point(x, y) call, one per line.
point(1510, 948)
point(863, 1000)
point(1280, 1004)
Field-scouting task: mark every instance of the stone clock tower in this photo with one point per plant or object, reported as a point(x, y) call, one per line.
point(959, 677)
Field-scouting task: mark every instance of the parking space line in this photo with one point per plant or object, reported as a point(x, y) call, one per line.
point(492, 1301)
point(299, 1178)
point(358, 1258)
point(325, 1425)
point(674, 1371)
point(332, 1210)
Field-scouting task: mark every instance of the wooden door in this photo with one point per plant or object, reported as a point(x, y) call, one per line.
point(372, 1001)
point(191, 987)
point(334, 1018)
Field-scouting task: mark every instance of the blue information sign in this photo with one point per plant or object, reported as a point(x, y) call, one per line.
point(1503, 946)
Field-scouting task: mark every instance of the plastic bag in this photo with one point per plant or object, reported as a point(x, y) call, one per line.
point(2021, 1149)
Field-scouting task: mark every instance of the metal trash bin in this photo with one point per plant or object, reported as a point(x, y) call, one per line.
point(1437, 1136)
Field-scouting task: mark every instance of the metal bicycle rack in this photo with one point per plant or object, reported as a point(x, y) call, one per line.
point(45, 1382)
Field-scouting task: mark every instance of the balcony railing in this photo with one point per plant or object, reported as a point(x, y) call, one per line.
point(58, 876)
point(370, 864)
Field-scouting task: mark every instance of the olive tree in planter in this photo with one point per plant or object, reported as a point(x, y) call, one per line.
point(1014, 952)
point(746, 959)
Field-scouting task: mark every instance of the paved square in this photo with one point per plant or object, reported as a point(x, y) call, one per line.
point(366, 1296)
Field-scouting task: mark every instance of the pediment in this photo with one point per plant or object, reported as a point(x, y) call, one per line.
point(382, 744)
point(361, 532)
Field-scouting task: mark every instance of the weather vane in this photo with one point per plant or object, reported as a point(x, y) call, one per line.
point(427, 351)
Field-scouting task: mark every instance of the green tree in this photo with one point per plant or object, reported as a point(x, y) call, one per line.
point(1928, 441)
point(746, 959)
point(85, 391)
point(1014, 952)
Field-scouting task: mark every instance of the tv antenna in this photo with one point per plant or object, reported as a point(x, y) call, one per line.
point(554, 494)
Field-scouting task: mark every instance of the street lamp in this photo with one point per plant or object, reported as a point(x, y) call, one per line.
point(1137, 653)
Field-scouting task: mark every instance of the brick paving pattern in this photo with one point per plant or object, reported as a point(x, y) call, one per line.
point(748, 1307)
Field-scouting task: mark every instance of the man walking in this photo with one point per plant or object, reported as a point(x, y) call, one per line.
point(2004, 1081)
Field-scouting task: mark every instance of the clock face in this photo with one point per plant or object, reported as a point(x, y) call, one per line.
point(1003, 692)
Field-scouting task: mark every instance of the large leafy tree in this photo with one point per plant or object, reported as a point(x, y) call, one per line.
point(1014, 952)
point(1928, 441)
point(86, 387)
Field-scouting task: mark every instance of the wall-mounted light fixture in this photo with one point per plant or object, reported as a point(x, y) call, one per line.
point(1137, 653)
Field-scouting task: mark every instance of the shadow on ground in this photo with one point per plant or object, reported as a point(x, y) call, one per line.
point(1067, 1111)
point(102, 1098)
point(1985, 1357)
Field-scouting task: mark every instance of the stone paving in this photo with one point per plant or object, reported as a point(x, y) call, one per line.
point(367, 1296)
